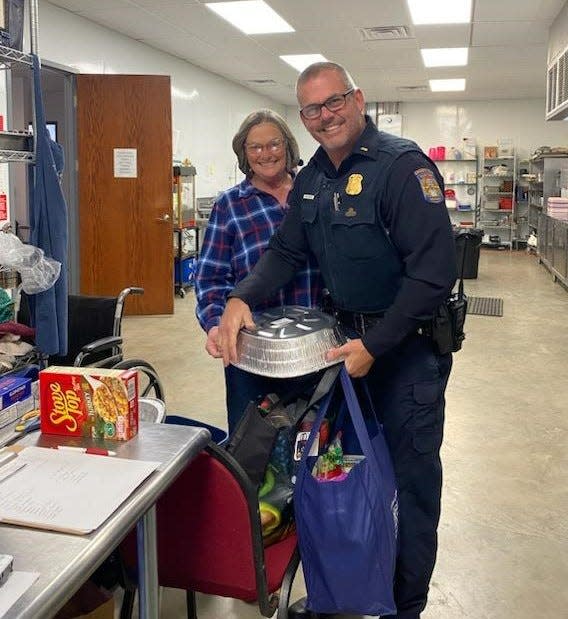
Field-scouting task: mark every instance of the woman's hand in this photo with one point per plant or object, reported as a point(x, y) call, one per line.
point(212, 344)
point(237, 315)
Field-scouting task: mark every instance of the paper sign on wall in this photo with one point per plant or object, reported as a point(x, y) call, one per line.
point(125, 163)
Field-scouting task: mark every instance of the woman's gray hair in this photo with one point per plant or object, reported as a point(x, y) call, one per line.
point(257, 118)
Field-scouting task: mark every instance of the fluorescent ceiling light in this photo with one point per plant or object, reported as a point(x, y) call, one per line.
point(440, 11)
point(301, 61)
point(445, 56)
point(251, 16)
point(447, 85)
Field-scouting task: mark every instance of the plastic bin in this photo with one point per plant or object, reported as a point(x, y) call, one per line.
point(468, 242)
point(218, 435)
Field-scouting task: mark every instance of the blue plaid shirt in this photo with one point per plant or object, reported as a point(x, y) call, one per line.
point(242, 221)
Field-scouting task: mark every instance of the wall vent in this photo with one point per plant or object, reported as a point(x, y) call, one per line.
point(557, 88)
point(261, 82)
point(412, 88)
point(384, 33)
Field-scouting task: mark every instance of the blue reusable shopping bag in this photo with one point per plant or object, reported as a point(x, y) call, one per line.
point(347, 530)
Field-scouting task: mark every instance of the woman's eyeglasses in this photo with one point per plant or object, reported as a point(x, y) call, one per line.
point(272, 147)
point(333, 104)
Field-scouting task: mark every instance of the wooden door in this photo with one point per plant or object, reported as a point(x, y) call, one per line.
point(125, 223)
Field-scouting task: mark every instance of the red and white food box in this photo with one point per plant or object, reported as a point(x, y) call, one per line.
point(93, 402)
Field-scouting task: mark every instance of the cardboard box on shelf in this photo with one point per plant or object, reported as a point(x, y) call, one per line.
point(490, 152)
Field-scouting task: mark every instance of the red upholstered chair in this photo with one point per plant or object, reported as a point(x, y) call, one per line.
point(210, 539)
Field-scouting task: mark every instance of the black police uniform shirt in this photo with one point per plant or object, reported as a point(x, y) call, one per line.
point(395, 251)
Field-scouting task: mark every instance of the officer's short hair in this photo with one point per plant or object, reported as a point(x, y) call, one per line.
point(319, 67)
point(257, 118)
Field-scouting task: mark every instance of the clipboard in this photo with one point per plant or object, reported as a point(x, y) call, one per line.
point(66, 491)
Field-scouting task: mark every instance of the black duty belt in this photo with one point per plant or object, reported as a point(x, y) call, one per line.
point(360, 321)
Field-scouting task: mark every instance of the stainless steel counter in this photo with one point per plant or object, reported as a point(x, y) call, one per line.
point(66, 561)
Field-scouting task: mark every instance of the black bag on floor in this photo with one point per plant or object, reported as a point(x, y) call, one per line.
point(253, 439)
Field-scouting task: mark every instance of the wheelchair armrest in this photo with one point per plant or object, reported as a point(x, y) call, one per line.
point(105, 343)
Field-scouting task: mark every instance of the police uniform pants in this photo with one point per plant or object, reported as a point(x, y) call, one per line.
point(407, 387)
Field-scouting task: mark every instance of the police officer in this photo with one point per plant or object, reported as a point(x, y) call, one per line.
point(370, 207)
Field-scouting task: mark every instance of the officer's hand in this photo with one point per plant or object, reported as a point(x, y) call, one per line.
point(236, 316)
point(212, 344)
point(358, 360)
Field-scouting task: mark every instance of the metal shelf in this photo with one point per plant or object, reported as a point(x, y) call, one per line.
point(22, 156)
point(10, 56)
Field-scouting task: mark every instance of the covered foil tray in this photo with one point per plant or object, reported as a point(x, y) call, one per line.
point(288, 341)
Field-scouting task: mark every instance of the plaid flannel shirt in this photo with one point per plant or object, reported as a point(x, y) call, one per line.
point(241, 223)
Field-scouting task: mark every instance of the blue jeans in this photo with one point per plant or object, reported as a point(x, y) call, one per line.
point(242, 387)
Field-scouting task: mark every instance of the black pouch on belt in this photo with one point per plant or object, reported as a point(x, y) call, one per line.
point(447, 328)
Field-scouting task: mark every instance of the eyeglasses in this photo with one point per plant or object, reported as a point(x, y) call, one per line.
point(272, 147)
point(333, 104)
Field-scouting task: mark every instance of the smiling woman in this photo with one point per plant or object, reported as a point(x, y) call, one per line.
point(242, 221)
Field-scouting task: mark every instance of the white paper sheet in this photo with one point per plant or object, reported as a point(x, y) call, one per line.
point(68, 491)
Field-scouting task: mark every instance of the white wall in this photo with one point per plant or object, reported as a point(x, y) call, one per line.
point(431, 124)
point(206, 109)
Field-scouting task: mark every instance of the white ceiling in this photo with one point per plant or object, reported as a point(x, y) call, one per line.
point(508, 41)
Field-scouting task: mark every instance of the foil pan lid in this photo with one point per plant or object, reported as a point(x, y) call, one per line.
point(288, 341)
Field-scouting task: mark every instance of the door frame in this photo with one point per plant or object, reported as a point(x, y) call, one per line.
point(15, 109)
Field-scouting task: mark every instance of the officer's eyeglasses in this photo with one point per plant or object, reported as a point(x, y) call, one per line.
point(333, 104)
point(273, 146)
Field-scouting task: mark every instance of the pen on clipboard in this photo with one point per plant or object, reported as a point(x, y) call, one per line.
point(94, 451)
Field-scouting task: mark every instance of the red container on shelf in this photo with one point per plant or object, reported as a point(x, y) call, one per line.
point(440, 153)
point(506, 203)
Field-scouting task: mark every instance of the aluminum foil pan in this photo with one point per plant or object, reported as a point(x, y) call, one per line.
point(288, 341)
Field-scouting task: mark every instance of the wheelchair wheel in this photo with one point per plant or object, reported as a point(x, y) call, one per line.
point(147, 376)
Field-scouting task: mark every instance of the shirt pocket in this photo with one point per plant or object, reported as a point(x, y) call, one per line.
point(355, 230)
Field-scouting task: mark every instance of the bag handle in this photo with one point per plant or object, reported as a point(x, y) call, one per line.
point(324, 387)
point(356, 416)
point(340, 417)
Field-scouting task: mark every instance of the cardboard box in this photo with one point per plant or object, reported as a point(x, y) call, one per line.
point(13, 389)
point(94, 402)
point(490, 152)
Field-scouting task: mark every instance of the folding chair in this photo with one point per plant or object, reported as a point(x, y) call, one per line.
point(210, 540)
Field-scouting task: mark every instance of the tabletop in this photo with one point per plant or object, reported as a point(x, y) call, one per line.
point(65, 561)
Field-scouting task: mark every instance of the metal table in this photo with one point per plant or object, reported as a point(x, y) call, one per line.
point(65, 561)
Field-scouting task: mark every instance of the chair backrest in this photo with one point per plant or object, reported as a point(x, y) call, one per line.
point(90, 318)
point(209, 548)
point(209, 534)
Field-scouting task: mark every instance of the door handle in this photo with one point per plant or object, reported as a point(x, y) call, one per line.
point(164, 218)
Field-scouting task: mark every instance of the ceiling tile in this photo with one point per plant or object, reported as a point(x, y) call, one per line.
point(514, 10)
point(510, 33)
point(509, 36)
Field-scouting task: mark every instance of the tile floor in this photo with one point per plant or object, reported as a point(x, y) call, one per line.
point(504, 531)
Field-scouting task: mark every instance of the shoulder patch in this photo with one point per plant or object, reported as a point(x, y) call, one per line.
point(429, 185)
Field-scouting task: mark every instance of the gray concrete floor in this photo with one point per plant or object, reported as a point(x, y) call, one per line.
point(504, 532)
